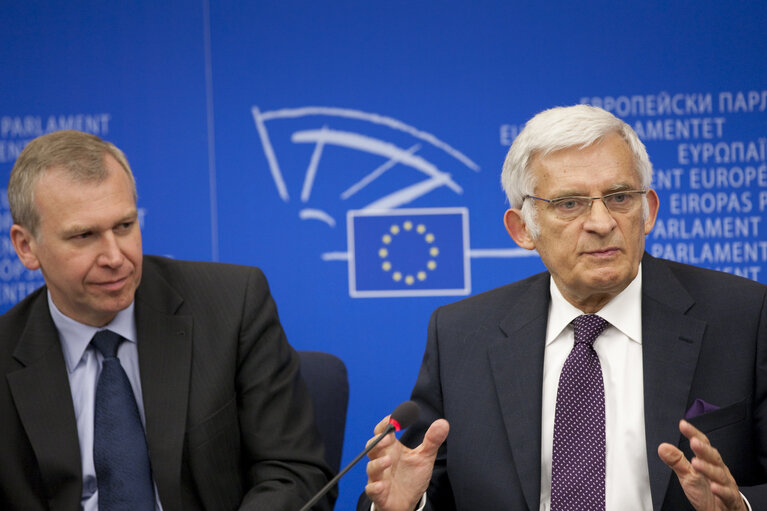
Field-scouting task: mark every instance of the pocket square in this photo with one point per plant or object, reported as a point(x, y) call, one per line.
point(699, 407)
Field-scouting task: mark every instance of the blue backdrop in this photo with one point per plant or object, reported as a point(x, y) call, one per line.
point(353, 149)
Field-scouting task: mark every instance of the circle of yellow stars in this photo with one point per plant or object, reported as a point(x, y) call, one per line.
point(388, 238)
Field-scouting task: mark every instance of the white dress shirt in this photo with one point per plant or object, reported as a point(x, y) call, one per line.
point(83, 368)
point(627, 483)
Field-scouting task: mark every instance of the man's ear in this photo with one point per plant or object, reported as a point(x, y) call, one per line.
point(25, 245)
point(653, 204)
point(517, 229)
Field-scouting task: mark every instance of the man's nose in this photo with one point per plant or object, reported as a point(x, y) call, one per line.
point(598, 218)
point(111, 255)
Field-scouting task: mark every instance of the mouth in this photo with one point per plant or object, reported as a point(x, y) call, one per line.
point(603, 253)
point(112, 285)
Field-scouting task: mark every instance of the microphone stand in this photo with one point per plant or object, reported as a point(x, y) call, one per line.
point(389, 428)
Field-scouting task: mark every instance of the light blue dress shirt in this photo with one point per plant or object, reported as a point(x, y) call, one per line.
point(83, 368)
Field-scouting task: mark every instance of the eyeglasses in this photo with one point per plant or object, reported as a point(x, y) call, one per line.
point(570, 208)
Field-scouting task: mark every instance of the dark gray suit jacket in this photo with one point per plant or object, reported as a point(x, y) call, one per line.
point(229, 422)
point(704, 336)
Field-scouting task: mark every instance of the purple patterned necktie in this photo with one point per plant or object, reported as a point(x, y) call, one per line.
point(578, 464)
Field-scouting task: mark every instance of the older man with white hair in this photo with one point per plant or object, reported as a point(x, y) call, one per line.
point(614, 380)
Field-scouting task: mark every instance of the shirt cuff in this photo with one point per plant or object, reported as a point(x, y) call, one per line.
point(422, 504)
point(745, 500)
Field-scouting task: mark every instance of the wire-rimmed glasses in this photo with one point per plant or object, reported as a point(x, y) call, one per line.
point(571, 207)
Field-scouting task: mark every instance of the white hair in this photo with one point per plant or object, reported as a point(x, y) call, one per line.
point(562, 128)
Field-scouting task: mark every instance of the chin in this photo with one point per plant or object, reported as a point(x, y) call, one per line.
point(609, 278)
point(115, 305)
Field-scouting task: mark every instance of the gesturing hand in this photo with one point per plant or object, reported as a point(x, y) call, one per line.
point(398, 476)
point(705, 479)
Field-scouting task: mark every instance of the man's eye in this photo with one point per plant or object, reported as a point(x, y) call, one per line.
point(619, 197)
point(567, 204)
point(125, 226)
point(82, 235)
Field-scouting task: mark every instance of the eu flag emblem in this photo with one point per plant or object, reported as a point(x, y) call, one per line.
point(409, 252)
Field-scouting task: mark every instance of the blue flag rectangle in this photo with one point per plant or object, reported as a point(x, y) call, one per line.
point(409, 252)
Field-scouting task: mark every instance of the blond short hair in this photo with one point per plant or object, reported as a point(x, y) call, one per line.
point(80, 154)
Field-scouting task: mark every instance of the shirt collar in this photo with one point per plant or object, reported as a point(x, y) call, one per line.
point(75, 336)
point(624, 311)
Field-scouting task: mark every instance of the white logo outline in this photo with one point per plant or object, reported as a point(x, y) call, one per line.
point(389, 204)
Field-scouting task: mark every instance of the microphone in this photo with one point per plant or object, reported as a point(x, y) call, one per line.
point(401, 418)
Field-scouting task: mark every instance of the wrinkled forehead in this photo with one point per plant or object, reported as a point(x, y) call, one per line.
point(607, 165)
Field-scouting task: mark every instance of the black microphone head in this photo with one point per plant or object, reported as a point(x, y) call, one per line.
point(404, 415)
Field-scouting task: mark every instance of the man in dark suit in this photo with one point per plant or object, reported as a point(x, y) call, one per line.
point(676, 342)
point(228, 421)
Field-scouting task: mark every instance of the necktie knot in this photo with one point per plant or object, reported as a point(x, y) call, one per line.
point(107, 341)
point(588, 327)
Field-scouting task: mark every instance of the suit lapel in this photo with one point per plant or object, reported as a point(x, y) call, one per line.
point(671, 342)
point(43, 400)
point(165, 357)
point(516, 359)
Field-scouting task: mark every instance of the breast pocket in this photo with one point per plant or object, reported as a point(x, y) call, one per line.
point(730, 431)
point(721, 418)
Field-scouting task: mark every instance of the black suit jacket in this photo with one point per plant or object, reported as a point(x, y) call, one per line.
point(704, 336)
point(228, 420)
